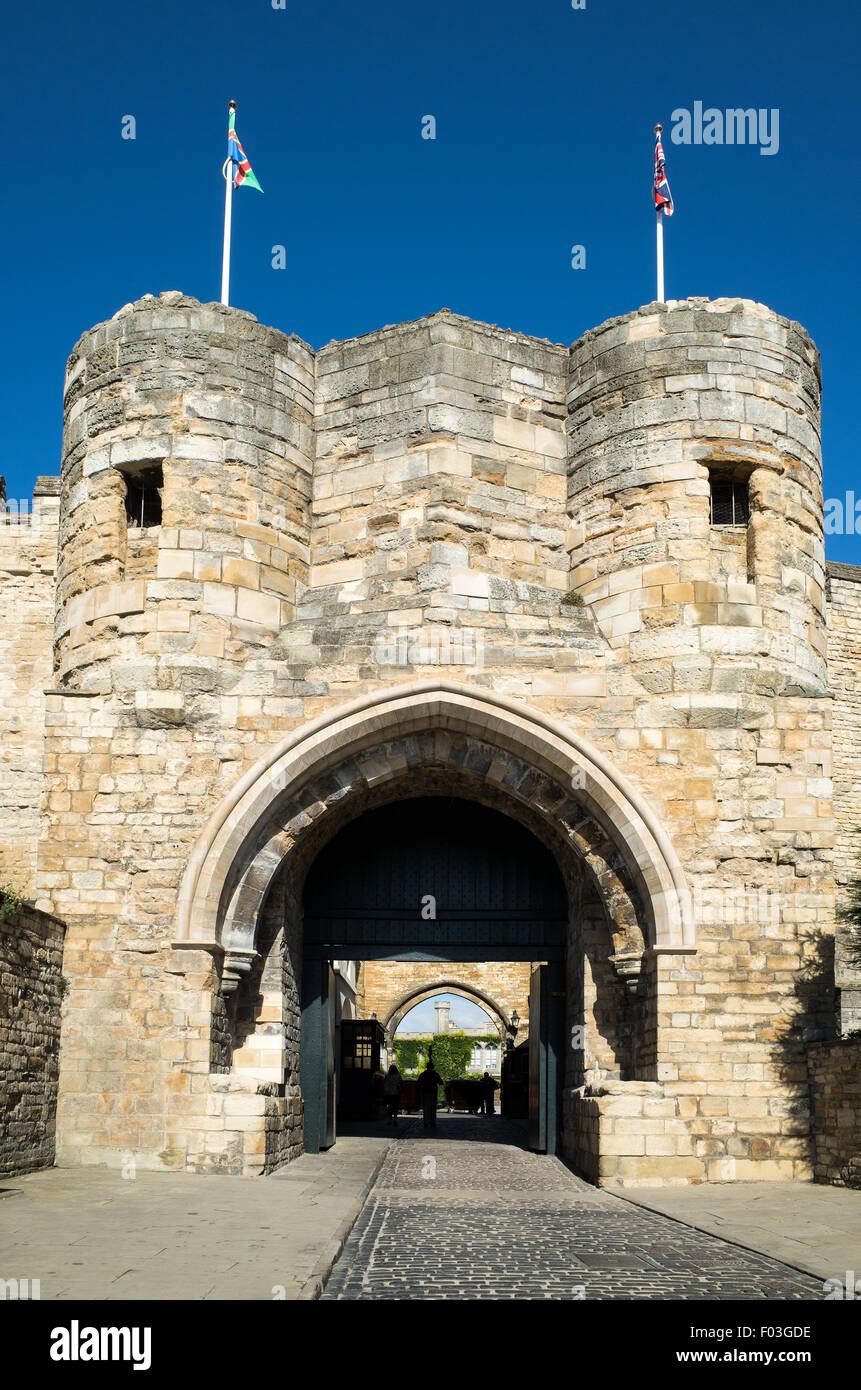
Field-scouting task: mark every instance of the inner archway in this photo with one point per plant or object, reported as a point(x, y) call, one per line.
point(464, 1041)
point(433, 879)
point(425, 989)
point(440, 1013)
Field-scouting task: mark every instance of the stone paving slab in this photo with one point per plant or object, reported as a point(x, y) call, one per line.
point(87, 1233)
point(465, 1212)
point(808, 1225)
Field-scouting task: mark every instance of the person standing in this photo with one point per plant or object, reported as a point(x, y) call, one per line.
point(392, 1087)
point(489, 1087)
point(427, 1087)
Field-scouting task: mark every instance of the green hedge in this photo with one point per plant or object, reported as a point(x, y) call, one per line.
point(452, 1053)
point(410, 1054)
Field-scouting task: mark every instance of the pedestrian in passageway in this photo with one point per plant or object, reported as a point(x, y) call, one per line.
point(427, 1087)
point(392, 1087)
point(489, 1087)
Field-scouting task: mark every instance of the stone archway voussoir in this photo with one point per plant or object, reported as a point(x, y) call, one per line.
point(405, 710)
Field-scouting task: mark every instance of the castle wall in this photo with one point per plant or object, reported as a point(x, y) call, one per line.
point(844, 664)
point(835, 1087)
point(31, 991)
point(440, 481)
point(445, 495)
point(28, 557)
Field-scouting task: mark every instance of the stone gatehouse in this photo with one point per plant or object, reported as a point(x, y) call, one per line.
point(574, 602)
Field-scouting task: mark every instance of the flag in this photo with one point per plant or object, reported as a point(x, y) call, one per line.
point(663, 196)
point(235, 153)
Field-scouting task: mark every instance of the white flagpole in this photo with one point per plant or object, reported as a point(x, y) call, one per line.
point(660, 257)
point(225, 256)
point(227, 171)
point(660, 217)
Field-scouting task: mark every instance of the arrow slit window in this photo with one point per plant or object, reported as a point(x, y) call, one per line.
point(143, 497)
point(729, 501)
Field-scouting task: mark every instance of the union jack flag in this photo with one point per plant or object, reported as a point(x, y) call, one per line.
point(663, 196)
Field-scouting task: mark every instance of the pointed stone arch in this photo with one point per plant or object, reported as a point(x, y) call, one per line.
point(417, 994)
point(245, 840)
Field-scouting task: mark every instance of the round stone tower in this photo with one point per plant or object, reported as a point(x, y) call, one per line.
point(186, 479)
point(695, 497)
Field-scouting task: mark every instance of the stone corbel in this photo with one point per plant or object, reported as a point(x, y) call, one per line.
point(628, 966)
point(237, 964)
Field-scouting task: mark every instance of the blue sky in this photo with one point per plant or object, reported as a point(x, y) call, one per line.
point(544, 140)
point(464, 1014)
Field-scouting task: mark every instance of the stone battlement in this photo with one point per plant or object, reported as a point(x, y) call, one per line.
point(42, 510)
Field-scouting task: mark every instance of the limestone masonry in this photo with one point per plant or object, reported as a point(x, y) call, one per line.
point(276, 589)
point(31, 951)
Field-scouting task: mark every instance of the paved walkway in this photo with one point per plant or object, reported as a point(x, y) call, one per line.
point(86, 1233)
point(814, 1227)
point(466, 1212)
point(461, 1212)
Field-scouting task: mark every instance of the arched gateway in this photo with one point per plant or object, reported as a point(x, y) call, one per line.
point(622, 897)
point(245, 839)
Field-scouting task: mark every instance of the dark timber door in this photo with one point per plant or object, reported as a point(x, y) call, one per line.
point(317, 1064)
point(432, 878)
point(546, 1059)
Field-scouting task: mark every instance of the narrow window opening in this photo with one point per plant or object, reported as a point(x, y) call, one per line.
point(143, 497)
point(730, 504)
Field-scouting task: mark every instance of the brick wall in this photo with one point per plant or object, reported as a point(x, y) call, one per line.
point(31, 955)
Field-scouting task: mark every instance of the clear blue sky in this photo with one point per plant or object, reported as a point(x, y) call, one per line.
point(544, 140)
point(464, 1014)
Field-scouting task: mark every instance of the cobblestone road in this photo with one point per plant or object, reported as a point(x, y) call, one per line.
point(466, 1212)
